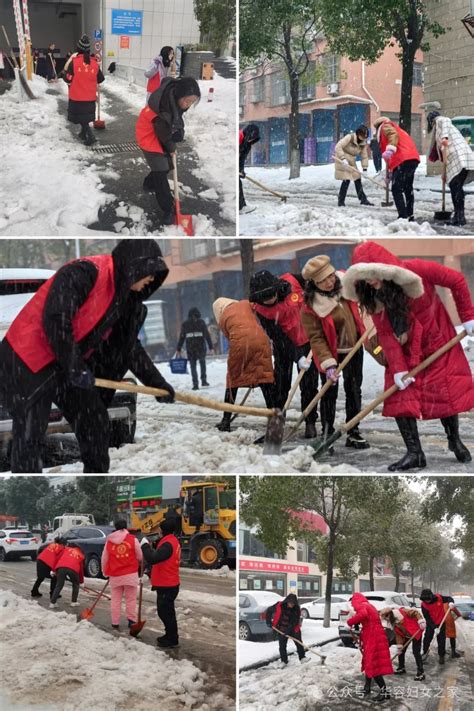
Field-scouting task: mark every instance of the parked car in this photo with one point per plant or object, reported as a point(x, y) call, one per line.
point(17, 286)
point(17, 542)
point(379, 599)
point(315, 610)
point(465, 607)
point(253, 606)
point(91, 540)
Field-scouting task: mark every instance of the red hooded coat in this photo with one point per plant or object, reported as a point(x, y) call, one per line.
point(446, 387)
point(373, 640)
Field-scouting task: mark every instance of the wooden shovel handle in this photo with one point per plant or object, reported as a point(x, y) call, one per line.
point(185, 397)
point(264, 187)
point(445, 170)
point(405, 645)
point(295, 385)
point(417, 369)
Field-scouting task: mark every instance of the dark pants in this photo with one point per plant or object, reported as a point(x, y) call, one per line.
point(43, 571)
point(283, 642)
point(345, 187)
point(308, 386)
point(268, 391)
point(242, 202)
point(352, 376)
point(379, 680)
point(377, 158)
point(402, 188)
point(158, 181)
point(63, 574)
point(193, 360)
point(416, 649)
point(87, 414)
point(457, 192)
point(441, 639)
point(165, 598)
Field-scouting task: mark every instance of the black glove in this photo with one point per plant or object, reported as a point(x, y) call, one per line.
point(83, 379)
point(284, 288)
point(178, 135)
point(166, 398)
point(242, 174)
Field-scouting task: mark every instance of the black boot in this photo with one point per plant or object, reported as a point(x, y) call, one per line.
point(455, 655)
point(82, 133)
point(224, 424)
point(414, 458)
point(356, 441)
point(383, 695)
point(89, 138)
point(360, 193)
point(310, 431)
point(458, 219)
point(451, 427)
point(342, 193)
point(441, 658)
point(364, 200)
point(367, 686)
point(420, 675)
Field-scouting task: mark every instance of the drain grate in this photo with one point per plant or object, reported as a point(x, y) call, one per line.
point(117, 148)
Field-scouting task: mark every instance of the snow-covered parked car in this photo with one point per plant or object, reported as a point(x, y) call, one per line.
point(253, 606)
point(315, 610)
point(17, 542)
point(17, 286)
point(379, 599)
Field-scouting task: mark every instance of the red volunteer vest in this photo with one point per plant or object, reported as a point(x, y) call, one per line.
point(410, 624)
point(71, 558)
point(287, 313)
point(436, 609)
point(166, 573)
point(153, 83)
point(277, 616)
point(26, 335)
point(406, 149)
point(122, 558)
point(84, 82)
point(51, 554)
point(145, 132)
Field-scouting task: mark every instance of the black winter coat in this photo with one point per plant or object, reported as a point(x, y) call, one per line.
point(112, 357)
point(194, 332)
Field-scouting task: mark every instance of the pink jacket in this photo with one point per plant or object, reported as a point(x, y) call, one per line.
point(118, 580)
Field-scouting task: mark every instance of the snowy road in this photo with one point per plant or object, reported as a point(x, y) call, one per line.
point(205, 613)
point(337, 685)
point(183, 438)
point(311, 208)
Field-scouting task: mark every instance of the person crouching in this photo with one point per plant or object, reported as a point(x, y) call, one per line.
point(46, 563)
point(70, 566)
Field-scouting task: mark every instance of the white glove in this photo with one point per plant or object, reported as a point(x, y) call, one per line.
point(344, 161)
point(143, 541)
point(303, 363)
point(399, 648)
point(400, 383)
point(469, 327)
point(436, 631)
point(422, 624)
point(451, 605)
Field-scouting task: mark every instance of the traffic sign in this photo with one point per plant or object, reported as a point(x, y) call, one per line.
point(97, 46)
point(98, 34)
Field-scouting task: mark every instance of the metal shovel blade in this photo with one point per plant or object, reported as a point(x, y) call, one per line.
point(274, 434)
point(442, 215)
point(387, 204)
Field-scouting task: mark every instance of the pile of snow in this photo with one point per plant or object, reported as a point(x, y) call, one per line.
point(312, 205)
point(313, 633)
point(48, 185)
point(73, 666)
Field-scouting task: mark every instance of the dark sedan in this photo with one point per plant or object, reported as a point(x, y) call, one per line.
point(91, 540)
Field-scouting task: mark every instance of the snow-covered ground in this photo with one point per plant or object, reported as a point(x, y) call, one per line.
point(50, 184)
point(65, 665)
point(311, 208)
point(255, 652)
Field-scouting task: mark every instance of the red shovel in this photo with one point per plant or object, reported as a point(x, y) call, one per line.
point(88, 613)
point(184, 221)
point(137, 627)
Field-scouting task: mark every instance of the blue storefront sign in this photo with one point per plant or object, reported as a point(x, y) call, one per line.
point(127, 22)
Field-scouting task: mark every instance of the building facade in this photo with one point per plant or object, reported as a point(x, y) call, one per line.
point(336, 96)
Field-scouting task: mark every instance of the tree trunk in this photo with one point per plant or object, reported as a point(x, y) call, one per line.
point(329, 577)
point(408, 58)
point(413, 584)
point(397, 577)
point(371, 573)
point(247, 257)
point(294, 128)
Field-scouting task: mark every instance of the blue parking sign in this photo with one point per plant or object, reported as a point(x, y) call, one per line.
point(127, 22)
point(97, 34)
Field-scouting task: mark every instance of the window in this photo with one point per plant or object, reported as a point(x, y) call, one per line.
point(307, 85)
point(165, 246)
point(193, 250)
point(331, 66)
point(280, 89)
point(244, 601)
point(250, 545)
point(342, 586)
point(417, 74)
point(257, 93)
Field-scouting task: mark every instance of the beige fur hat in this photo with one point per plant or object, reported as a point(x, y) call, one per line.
point(318, 269)
point(410, 282)
point(219, 305)
point(381, 119)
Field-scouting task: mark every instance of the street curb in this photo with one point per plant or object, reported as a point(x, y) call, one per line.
point(259, 665)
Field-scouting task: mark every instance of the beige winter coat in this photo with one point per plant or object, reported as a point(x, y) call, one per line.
point(349, 147)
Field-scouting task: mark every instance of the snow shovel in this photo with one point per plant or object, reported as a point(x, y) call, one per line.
point(328, 384)
point(404, 646)
point(438, 627)
point(98, 123)
point(322, 447)
point(184, 221)
point(443, 215)
point(275, 425)
point(93, 592)
point(307, 649)
point(137, 627)
point(88, 613)
point(387, 202)
point(298, 380)
point(283, 198)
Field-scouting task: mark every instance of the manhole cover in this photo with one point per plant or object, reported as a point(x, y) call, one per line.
point(117, 148)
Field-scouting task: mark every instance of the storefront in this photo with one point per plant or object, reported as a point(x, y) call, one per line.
point(274, 576)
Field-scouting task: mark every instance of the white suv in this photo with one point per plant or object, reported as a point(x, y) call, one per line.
point(16, 542)
point(379, 599)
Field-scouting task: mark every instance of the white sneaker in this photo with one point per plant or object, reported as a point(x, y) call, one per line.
point(283, 665)
point(246, 209)
point(74, 604)
point(52, 605)
point(304, 660)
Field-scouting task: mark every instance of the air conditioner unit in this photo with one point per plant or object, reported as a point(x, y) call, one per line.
point(332, 89)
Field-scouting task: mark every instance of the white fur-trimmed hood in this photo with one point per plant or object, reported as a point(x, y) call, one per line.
point(410, 282)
